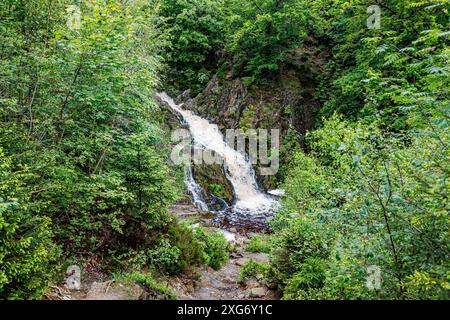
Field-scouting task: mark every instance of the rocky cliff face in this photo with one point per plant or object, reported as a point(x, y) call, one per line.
point(287, 100)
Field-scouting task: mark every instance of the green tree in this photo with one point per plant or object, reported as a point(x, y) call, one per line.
point(27, 250)
point(261, 32)
point(194, 30)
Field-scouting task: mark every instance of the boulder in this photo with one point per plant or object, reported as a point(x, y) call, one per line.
point(258, 292)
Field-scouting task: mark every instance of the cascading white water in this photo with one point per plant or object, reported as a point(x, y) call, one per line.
point(239, 170)
point(195, 190)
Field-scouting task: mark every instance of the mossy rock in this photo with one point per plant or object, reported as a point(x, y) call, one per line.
point(212, 179)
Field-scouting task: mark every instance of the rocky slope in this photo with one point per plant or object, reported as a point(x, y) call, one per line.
point(288, 100)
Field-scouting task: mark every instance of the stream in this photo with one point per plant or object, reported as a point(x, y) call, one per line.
point(251, 207)
point(248, 213)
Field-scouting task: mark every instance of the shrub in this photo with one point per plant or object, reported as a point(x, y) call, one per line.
point(307, 281)
point(251, 269)
point(27, 252)
point(214, 245)
point(258, 244)
point(293, 247)
point(423, 285)
point(167, 257)
point(191, 250)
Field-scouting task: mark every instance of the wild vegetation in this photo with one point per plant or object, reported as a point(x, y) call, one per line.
point(84, 172)
point(84, 176)
point(369, 186)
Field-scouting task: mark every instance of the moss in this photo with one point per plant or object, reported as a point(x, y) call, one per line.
point(214, 181)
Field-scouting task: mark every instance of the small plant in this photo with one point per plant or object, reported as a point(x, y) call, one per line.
point(293, 246)
point(154, 290)
point(217, 189)
point(308, 281)
point(214, 244)
point(258, 244)
point(167, 257)
point(183, 237)
point(252, 269)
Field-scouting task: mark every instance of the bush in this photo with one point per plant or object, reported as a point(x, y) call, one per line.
point(251, 269)
point(153, 289)
point(183, 237)
point(214, 246)
point(293, 247)
point(186, 247)
point(426, 286)
point(258, 244)
point(305, 283)
point(167, 257)
point(27, 252)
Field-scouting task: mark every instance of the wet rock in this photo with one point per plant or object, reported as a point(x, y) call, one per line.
point(229, 280)
point(268, 284)
point(219, 191)
point(186, 95)
point(230, 237)
point(235, 255)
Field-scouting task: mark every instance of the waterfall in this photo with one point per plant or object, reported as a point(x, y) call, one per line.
point(239, 171)
point(195, 190)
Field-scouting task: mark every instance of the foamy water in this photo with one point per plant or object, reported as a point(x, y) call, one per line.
point(239, 171)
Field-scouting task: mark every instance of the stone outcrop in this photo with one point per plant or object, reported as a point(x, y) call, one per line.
point(287, 100)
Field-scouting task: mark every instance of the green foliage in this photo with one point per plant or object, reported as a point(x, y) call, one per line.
point(77, 114)
point(374, 179)
point(194, 30)
point(218, 190)
point(197, 246)
point(251, 269)
point(260, 33)
point(83, 159)
point(153, 289)
point(383, 200)
point(421, 285)
point(373, 71)
point(183, 237)
point(259, 243)
point(290, 145)
point(214, 246)
point(293, 246)
point(166, 257)
point(176, 249)
point(27, 251)
point(305, 283)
